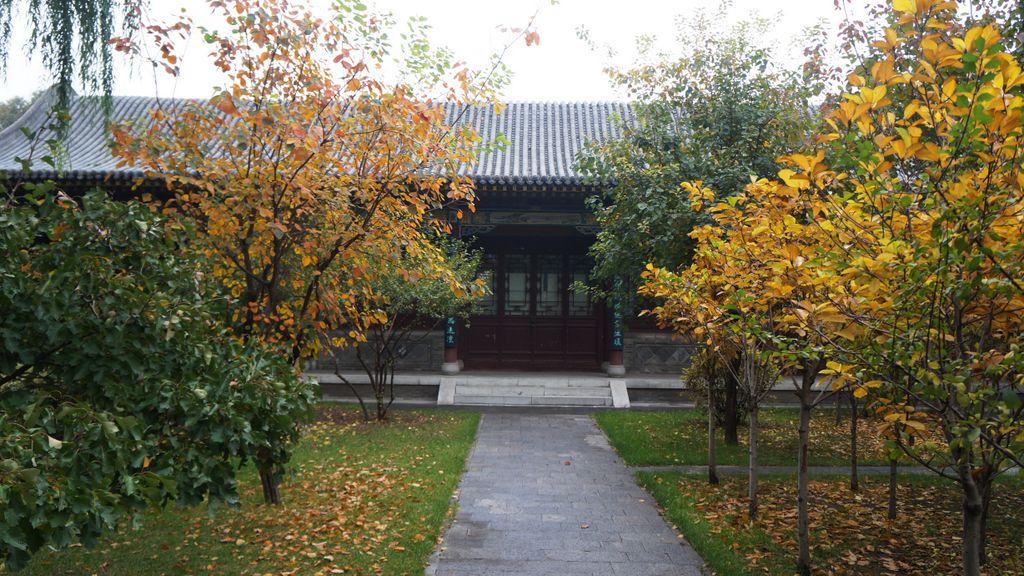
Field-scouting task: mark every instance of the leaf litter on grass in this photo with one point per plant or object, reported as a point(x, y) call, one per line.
point(679, 437)
point(364, 498)
point(850, 534)
point(349, 507)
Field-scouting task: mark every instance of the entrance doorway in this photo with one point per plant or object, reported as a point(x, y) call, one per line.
point(533, 320)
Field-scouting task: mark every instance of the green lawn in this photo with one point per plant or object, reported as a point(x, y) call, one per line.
point(365, 499)
point(679, 437)
point(849, 532)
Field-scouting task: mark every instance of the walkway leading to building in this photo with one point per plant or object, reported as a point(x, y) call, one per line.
point(546, 495)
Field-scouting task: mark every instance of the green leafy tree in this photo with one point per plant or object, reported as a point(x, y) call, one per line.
point(411, 299)
point(12, 108)
point(721, 112)
point(893, 250)
point(1007, 15)
point(710, 378)
point(118, 389)
point(929, 244)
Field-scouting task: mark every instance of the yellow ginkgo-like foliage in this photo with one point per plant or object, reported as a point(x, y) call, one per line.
point(752, 289)
point(894, 248)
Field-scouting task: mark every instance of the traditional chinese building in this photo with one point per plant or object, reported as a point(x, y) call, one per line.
point(531, 221)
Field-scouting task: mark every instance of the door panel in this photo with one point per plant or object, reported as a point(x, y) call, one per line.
point(548, 290)
point(485, 338)
point(533, 320)
point(548, 339)
point(481, 341)
point(582, 339)
point(514, 337)
point(580, 305)
point(488, 305)
point(516, 284)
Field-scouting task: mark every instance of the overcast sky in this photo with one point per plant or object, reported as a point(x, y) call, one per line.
point(561, 68)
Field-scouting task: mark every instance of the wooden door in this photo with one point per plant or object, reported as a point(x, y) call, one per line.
point(533, 321)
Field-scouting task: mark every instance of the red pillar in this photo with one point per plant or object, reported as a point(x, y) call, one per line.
point(616, 366)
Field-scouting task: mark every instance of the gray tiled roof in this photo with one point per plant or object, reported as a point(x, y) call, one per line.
point(544, 138)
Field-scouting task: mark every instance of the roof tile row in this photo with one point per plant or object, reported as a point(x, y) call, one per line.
point(544, 138)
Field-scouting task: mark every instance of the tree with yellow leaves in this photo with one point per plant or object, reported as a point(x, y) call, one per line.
point(717, 301)
point(925, 218)
point(928, 247)
point(901, 252)
point(758, 287)
point(312, 171)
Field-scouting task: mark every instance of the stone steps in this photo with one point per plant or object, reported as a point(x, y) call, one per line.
point(532, 381)
point(495, 400)
point(532, 391)
point(507, 390)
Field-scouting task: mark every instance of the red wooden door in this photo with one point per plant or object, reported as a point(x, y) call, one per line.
point(533, 321)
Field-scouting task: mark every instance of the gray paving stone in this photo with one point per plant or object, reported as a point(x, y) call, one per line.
point(544, 495)
point(554, 400)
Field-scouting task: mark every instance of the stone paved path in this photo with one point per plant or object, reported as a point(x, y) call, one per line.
point(523, 511)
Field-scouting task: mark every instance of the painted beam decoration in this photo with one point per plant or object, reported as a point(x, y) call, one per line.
point(528, 218)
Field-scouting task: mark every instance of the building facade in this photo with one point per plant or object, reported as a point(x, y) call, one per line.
point(531, 222)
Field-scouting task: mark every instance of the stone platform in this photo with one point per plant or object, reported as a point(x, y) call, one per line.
point(532, 389)
point(492, 388)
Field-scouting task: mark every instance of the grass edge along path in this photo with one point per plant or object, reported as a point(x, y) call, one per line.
point(680, 510)
point(365, 499)
point(679, 437)
point(850, 534)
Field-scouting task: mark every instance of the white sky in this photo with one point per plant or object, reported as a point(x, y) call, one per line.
point(561, 68)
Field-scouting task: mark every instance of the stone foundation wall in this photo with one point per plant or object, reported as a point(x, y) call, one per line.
point(654, 352)
point(423, 352)
point(644, 352)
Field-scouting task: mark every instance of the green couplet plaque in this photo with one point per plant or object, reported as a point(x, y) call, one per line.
point(449, 332)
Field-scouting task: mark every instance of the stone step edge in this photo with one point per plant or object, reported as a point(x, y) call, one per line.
point(532, 400)
point(530, 391)
point(531, 382)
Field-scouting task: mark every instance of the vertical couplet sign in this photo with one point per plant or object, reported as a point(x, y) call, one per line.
point(617, 326)
point(449, 332)
point(617, 318)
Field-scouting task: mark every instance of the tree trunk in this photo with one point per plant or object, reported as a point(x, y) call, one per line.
point(986, 499)
point(271, 495)
point(973, 508)
point(352, 388)
point(752, 463)
point(369, 374)
point(892, 489)
point(379, 386)
point(391, 388)
point(839, 408)
point(854, 478)
point(803, 538)
point(712, 457)
point(732, 420)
